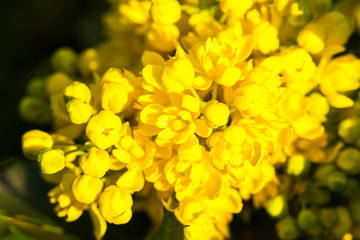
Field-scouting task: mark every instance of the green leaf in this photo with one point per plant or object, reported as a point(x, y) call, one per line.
point(171, 228)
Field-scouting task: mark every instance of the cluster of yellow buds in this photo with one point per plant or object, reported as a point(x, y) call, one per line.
point(217, 96)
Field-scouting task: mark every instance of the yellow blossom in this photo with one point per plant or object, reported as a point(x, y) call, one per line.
point(312, 37)
point(235, 8)
point(34, 141)
point(86, 189)
point(345, 68)
point(166, 12)
point(218, 61)
point(115, 205)
point(95, 163)
point(216, 114)
point(171, 125)
point(103, 129)
point(77, 90)
point(79, 111)
point(51, 160)
point(162, 38)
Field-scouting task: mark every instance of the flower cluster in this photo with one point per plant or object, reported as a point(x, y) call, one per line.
point(218, 95)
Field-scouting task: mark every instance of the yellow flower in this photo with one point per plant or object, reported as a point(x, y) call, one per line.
point(265, 37)
point(166, 12)
point(339, 27)
point(216, 114)
point(79, 111)
point(218, 61)
point(162, 38)
point(177, 74)
point(115, 205)
point(298, 70)
point(117, 90)
point(136, 11)
point(233, 147)
point(235, 8)
point(77, 90)
point(170, 125)
point(103, 129)
point(95, 163)
point(86, 189)
point(51, 160)
point(131, 180)
point(34, 141)
point(312, 37)
point(114, 97)
point(344, 68)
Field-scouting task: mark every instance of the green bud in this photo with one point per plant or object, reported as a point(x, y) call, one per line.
point(306, 219)
point(276, 206)
point(300, 13)
point(77, 90)
point(286, 228)
point(349, 160)
point(351, 186)
point(79, 111)
point(318, 196)
point(51, 160)
point(298, 165)
point(321, 173)
point(64, 59)
point(355, 211)
point(349, 130)
point(37, 88)
point(343, 224)
point(336, 181)
point(356, 108)
point(328, 217)
point(34, 110)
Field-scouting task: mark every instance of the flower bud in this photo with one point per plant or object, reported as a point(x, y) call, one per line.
point(339, 27)
point(343, 224)
point(166, 12)
point(34, 141)
point(79, 111)
point(77, 90)
point(34, 110)
point(318, 196)
point(349, 130)
point(36, 88)
point(51, 160)
point(286, 228)
point(162, 38)
point(355, 211)
point(306, 219)
point(276, 206)
point(349, 160)
point(336, 181)
point(57, 82)
point(131, 180)
point(64, 59)
point(114, 97)
point(95, 163)
point(115, 205)
point(298, 165)
point(86, 189)
point(216, 113)
point(328, 217)
point(312, 38)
